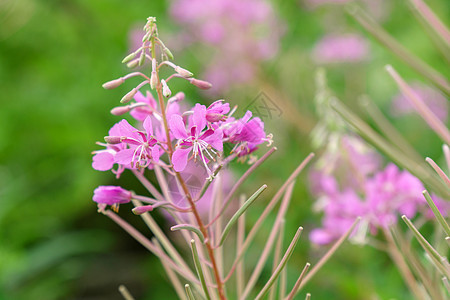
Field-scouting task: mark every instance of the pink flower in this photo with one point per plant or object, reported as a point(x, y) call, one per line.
point(143, 146)
point(195, 139)
point(147, 107)
point(434, 99)
point(217, 111)
point(111, 195)
point(246, 133)
point(390, 193)
point(340, 212)
point(348, 48)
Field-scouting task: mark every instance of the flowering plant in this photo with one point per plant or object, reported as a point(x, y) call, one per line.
point(175, 143)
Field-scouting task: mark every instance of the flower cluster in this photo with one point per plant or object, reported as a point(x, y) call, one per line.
point(167, 135)
point(352, 184)
point(243, 34)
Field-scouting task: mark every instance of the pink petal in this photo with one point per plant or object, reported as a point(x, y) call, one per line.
point(199, 117)
point(320, 237)
point(155, 153)
point(103, 161)
point(139, 97)
point(215, 140)
point(179, 159)
point(124, 157)
point(148, 126)
point(127, 130)
point(177, 127)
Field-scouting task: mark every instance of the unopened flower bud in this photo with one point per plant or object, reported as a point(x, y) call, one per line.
point(139, 210)
point(153, 77)
point(113, 139)
point(133, 64)
point(183, 72)
point(146, 37)
point(129, 57)
point(111, 195)
point(204, 85)
point(127, 98)
point(142, 58)
point(120, 110)
point(166, 90)
point(168, 53)
point(153, 80)
point(113, 83)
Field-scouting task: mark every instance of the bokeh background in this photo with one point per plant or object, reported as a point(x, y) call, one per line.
point(54, 56)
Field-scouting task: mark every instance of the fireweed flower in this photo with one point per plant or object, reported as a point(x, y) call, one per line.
point(111, 195)
point(195, 140)
point(143, 146)
point(433, 98)
point(147, 106)
point(348, 48)
point(217, 111)
point(392, 192)
point(383, 197)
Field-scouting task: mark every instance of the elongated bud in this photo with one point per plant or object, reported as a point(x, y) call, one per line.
point(139, 210)
point(128, 58)
point(113, 139)
point(168, 53)
point(133, 64)
point(142, 58)
point(204, 85)
point(153, 77)
point(113, 83)
point(166, 90)
point(183, 72)
point(120, 110)
point(146, 37)
point(127, 98)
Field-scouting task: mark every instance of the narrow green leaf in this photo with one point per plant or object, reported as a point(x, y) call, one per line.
point(436, 212)
point(438, 260)
point(240, 211)
point(199, 269)
point(189, 293)
point(190, 228)
point(281, 265)
point(399, 50)
point(329, 253)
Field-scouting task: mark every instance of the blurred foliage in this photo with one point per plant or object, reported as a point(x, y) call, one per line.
point(54, 56)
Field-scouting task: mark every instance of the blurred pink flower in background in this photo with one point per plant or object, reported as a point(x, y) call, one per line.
point(348, 182)
point(243, 33)
point(350, 159)
point(433, 98)
point(390, 193)
point(346, 48)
